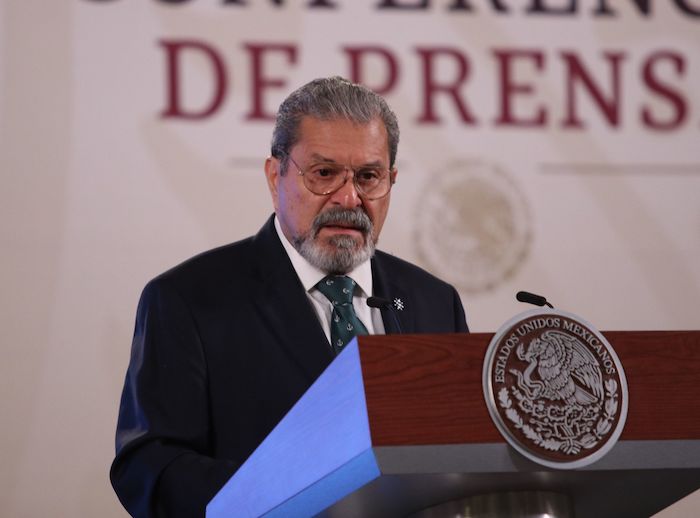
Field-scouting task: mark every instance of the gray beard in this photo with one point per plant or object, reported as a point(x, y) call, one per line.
point(344, 254)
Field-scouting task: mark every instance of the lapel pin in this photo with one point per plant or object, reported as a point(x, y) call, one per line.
point(398, 304)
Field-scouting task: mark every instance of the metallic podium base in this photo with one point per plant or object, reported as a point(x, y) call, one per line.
point(521, 504)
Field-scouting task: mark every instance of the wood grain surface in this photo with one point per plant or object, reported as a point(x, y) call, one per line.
point(427, 389)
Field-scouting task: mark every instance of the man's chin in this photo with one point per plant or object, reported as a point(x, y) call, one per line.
point(332, 234)
point(348, 241)
point(338, 253)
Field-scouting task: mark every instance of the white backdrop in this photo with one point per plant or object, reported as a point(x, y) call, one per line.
point(551, 151)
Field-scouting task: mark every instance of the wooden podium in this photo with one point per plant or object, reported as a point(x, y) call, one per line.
point(398, 423)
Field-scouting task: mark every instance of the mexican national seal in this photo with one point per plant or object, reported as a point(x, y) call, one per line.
point(555, 388)
point(473, 225)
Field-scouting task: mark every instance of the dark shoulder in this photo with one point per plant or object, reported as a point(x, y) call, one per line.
point(226, 268)
point(211, 261)
point(436, 306)
point(401, 269)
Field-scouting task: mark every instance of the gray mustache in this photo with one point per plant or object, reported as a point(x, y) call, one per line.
point(356, 218)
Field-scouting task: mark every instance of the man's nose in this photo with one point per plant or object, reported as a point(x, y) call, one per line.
point(347, 196)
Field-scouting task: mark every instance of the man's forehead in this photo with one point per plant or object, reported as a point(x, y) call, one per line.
point(315, 134)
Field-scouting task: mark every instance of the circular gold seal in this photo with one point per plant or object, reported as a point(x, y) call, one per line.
point(473, 225)
point(555, 388)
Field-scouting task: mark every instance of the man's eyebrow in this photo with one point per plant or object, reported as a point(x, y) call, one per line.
point(315, 157)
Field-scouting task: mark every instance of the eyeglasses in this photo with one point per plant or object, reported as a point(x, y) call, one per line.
point(323, 178)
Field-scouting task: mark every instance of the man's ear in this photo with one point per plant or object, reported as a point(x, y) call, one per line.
point(272, 174)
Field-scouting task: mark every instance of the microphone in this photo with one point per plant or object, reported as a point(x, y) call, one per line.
point(382, 303)
point(531, 298)
point(378, 302)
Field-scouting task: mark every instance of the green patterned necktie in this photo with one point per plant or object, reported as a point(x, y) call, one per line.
point(344, 322)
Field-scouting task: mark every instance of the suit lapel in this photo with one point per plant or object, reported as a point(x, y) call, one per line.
point(283, 303)
point(387, 287)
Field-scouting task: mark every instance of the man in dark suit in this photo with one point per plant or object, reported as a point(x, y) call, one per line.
point(228, 341)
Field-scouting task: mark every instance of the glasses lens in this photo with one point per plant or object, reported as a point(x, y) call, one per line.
point(324, 178)
point(372, 181)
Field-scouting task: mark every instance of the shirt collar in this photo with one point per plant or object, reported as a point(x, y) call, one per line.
point(309, 275)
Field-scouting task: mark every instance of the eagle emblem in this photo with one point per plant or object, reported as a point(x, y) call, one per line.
point(555, 388)
point(566, 369)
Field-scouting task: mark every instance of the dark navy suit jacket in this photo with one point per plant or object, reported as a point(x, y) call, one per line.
point(224, 345)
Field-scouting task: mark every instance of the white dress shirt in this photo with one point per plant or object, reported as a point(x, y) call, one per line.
point(309, 276)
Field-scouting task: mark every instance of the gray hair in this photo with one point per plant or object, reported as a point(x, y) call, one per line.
point(330, 99)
